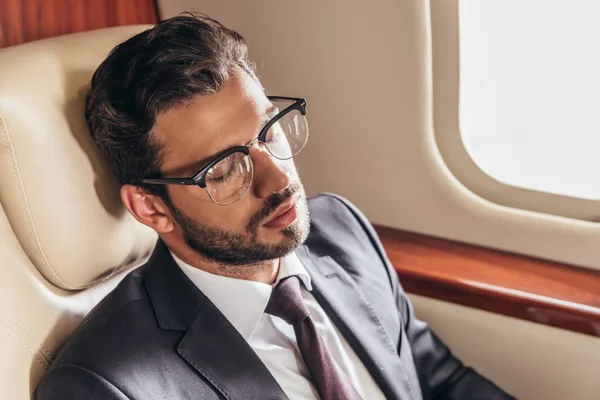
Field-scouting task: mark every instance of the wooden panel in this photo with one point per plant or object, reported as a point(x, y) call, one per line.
point(540, 291)
point(26, 20)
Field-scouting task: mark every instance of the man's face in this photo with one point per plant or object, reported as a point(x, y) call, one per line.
point(244, 232)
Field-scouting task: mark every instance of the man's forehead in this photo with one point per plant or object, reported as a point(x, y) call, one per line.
point(241, 93)
point(207, 123)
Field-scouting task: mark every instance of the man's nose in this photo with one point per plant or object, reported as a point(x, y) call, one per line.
point(270, 174)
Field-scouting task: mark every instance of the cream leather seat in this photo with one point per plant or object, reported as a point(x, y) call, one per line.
point(65, 238)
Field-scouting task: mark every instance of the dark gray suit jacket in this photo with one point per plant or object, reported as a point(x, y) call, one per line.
point(157, 337)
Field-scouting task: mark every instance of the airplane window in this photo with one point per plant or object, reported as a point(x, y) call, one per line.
point(530, 92)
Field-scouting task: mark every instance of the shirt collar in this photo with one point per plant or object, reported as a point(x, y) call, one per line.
point(242, 301)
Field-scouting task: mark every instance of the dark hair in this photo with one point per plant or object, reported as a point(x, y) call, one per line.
point(150, 73)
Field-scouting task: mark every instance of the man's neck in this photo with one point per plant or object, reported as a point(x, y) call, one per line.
point(265, 272)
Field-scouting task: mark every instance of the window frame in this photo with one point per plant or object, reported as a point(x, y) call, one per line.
point(445, 69)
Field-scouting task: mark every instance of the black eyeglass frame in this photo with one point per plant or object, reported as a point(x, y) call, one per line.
point(199, 178)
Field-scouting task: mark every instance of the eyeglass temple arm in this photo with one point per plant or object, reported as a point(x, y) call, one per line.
point(170, 181)
point(284, 98)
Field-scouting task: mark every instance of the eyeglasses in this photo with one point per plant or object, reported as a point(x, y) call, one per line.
point(229, 176)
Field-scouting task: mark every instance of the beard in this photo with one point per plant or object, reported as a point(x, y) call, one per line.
point(237, 249)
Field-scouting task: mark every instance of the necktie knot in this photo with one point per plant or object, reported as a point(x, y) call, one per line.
point(286, 301)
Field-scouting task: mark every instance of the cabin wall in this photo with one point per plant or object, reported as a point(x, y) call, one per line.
point(23, 21)
point(531, 361)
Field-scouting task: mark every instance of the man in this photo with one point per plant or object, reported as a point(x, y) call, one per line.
point(238, 300)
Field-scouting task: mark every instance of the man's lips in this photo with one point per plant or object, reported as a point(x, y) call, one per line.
point(284, 209)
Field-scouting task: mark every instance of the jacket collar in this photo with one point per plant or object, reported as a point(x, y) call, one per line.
point(211, 345)
point(345, 303)
point(254, 296)
point(175, 299)
point(217, 351)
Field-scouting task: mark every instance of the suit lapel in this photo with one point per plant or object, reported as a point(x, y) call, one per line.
point(346, 305)
point(211, 345)
point(218, 352)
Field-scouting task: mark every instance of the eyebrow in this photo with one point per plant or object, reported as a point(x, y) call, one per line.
point(272, 111)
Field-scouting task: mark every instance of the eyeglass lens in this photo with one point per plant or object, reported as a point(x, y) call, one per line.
point(231, 178)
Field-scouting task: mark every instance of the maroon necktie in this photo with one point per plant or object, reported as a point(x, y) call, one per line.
point(286, 303)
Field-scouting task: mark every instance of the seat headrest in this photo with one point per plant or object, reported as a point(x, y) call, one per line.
point(58, 192)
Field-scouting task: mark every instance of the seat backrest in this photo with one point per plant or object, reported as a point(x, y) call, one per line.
point(65, 238)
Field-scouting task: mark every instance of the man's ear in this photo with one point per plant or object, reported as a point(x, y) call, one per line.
point(147, 208)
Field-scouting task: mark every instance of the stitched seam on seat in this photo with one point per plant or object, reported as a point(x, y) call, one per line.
point(24, 202)
point(20, 326)
point(32, 352)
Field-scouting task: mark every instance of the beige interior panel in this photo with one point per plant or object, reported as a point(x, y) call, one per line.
point(529, 360)
point(57, 190)
point(365, 68)
point(35, 316)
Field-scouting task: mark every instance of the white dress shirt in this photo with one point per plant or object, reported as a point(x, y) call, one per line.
point(243, 303)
